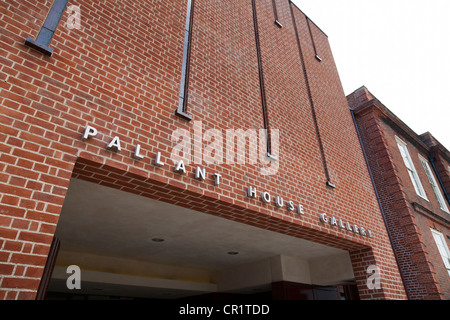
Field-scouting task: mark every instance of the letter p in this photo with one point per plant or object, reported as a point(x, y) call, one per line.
point(89, 132)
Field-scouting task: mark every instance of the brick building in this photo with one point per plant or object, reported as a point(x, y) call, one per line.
point(412, 178)
point(120, 165)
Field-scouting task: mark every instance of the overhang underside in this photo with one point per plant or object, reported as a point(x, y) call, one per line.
point(132, 246)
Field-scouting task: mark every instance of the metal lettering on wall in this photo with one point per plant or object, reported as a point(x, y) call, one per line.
point(334, 222)
point(251, 192)
point(114, 145)
point(278, 201)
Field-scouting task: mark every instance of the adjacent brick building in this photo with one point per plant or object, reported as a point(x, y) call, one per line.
point(411, 174)
point(91, 115)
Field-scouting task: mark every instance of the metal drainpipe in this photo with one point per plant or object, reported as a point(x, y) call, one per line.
point(432, 161)
point(379, 201)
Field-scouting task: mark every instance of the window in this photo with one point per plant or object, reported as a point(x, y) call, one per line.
point(443, 248)
point(433, 183)
point(411, 169)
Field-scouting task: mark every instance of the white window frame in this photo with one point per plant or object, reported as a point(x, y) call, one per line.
point(410, 168)
point(433, 183)
point(442, 247)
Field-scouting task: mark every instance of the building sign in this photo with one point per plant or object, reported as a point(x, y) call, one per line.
point(251, 192)
point(333, 222)
point(278, 201)
point(265, 197)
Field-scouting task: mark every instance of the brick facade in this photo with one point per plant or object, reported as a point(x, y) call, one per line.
point(121, 74)
point(409, 216)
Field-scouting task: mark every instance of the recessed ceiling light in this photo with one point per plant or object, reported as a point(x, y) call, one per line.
point(233, 253)
point(158, 240)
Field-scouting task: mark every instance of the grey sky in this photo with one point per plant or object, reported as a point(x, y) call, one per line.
point(398, 49)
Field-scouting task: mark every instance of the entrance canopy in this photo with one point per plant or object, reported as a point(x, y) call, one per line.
point(130, 245)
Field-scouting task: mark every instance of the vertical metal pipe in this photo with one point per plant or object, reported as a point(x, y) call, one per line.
point(48, 29)
point(261, 79)
point(311, 102)
point(184, 85)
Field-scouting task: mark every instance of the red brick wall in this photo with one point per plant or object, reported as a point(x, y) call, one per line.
point(423, 221)
point(442, 165)
point(121, 74)
point(421, 265)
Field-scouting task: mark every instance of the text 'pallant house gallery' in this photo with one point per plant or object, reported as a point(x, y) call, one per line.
point(174, 149)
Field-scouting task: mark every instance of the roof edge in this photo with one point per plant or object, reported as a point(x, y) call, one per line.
point(362, 100)
point(290, 1)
